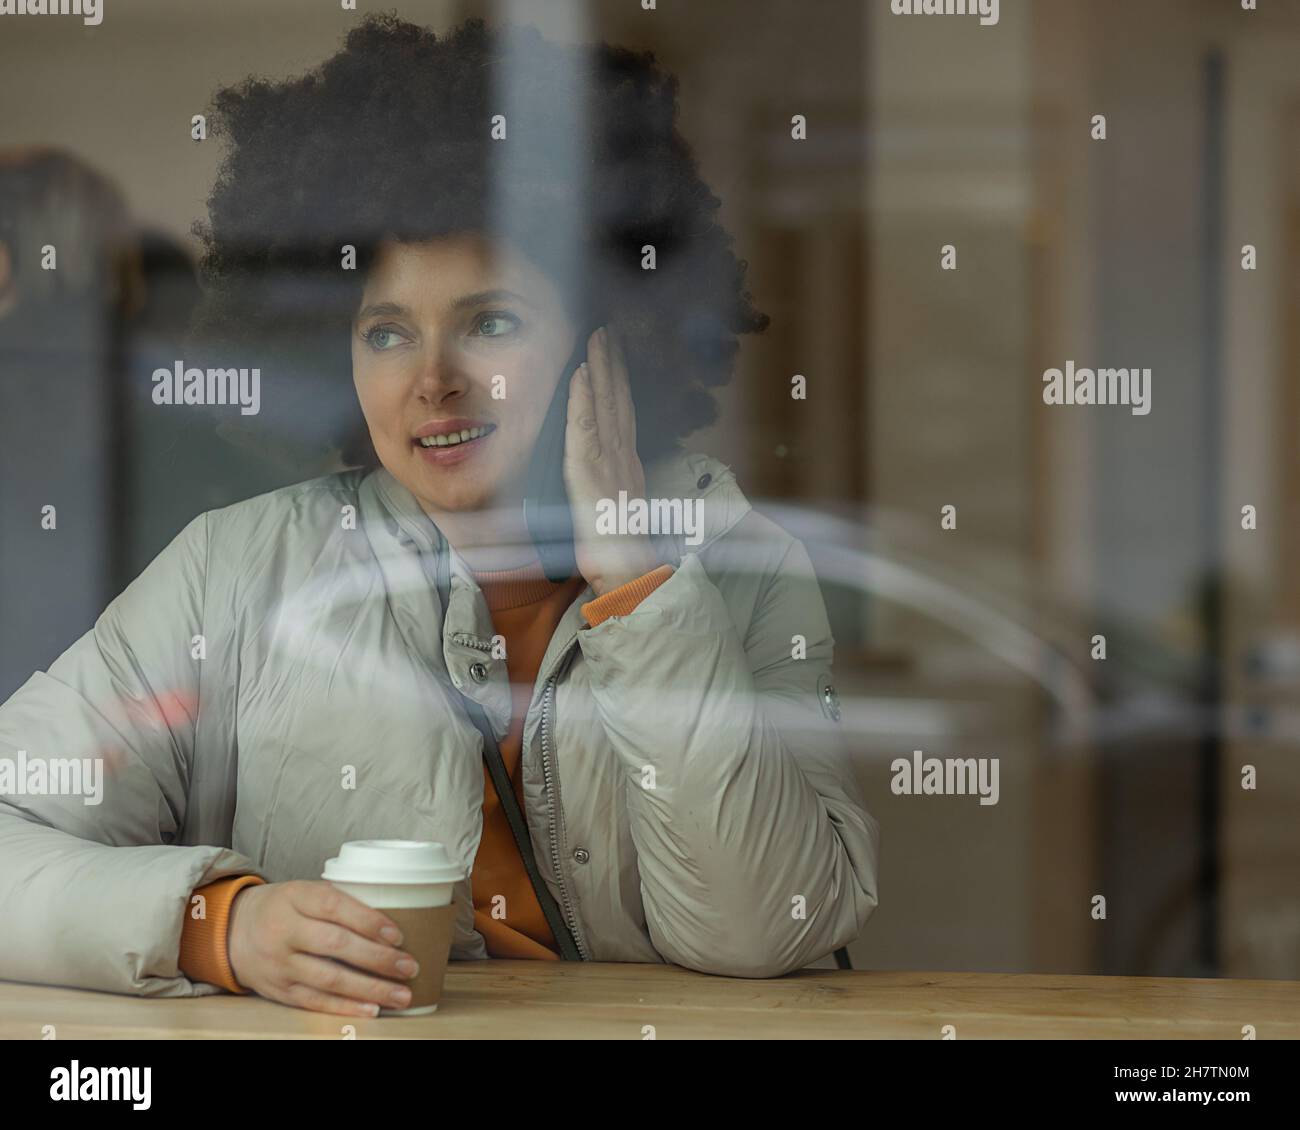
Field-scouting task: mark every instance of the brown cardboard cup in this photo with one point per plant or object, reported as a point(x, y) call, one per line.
point(426, 936)
point(412, 882)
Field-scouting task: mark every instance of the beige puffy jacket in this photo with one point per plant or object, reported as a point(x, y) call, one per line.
point(685, 780)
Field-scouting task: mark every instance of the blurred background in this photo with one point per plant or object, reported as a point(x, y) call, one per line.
point(1120, 777)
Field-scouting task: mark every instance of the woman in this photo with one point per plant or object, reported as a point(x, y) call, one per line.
point(313, 665)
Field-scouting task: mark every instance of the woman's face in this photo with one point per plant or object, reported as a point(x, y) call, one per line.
point(454, 334)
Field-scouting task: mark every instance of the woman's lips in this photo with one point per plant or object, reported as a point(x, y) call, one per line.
point(457, 453)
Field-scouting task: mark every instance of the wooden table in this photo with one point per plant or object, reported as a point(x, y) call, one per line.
point(534, 999)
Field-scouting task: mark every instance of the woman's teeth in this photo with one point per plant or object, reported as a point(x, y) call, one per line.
point(451, 439)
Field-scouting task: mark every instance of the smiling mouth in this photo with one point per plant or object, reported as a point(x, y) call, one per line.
point(455, 439)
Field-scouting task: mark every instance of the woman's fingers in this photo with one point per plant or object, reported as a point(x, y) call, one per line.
point(329, 939)
point(582, 436)
point(323, 900)
point(304, 996)
point(338, 981)
point(606, 391)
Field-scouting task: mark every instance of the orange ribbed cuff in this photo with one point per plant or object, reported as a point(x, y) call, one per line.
point(203, 940)
point(622, 600)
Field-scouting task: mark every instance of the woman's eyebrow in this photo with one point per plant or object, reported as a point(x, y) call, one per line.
point(496, 295)
point(392, 309)
point(396, 310)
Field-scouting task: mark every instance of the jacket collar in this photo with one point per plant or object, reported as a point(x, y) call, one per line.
point(689, 476)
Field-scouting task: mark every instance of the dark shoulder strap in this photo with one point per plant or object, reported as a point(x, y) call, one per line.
point(505, 792)
point(519, 829)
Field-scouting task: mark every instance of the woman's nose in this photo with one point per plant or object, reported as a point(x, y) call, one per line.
point(440, 376)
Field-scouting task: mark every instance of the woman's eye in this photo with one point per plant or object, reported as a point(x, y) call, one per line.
point(505, 323)
point(381, 338)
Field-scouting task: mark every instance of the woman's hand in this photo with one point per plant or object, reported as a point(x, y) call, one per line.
point(286, 941)
point(600, 459)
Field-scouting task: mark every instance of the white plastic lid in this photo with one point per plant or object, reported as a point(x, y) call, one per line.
point(392, 861)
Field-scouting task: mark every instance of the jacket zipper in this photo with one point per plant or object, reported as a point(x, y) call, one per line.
point(486, 645)
point(569, 917)
point(471, 641)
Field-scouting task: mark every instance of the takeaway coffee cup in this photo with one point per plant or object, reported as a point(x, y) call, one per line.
point(411, 881)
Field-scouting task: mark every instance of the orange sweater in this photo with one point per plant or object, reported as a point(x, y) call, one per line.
point(525, 608)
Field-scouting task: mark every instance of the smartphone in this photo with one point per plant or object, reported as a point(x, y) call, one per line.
point(546, 503)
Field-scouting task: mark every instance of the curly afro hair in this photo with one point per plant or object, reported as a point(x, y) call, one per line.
point(392, 139)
